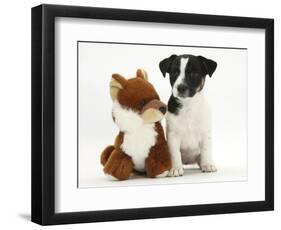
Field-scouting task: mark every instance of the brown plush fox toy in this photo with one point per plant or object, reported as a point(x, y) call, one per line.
point(140, 145)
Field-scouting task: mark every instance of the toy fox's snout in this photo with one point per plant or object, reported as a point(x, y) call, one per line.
point(157, 105)
point(153, 111)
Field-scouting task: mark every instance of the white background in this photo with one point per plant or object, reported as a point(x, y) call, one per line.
point(69, 198)
point(15, 116)
point(226, 92)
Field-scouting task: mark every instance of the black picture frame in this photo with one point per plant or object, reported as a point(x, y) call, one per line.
point(43, 114)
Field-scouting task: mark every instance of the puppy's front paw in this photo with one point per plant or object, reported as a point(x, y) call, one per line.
point(176, 171)
point(208, 168)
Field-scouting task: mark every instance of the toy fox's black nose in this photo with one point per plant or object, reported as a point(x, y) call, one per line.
point(163, 109)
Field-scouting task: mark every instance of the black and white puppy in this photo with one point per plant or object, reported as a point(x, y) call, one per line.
point(188, 118)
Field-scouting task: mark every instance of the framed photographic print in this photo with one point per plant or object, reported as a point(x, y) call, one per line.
point(141, 114)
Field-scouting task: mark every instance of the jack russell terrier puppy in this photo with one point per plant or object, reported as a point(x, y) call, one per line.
point(188, 118)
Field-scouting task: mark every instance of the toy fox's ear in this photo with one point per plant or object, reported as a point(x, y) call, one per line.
point(117, 82)
point(120, 79)
point(141, 73)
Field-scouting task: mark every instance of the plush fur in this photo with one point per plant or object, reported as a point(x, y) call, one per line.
point(189, 117)
point(140, 145)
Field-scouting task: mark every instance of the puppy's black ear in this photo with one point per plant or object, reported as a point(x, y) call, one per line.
point(165, 64)
point(209, 65)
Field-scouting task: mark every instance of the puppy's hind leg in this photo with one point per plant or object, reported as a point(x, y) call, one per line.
point(206, 161)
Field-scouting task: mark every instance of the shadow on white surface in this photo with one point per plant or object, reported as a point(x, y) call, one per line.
point(25, 216)
point(192, 174)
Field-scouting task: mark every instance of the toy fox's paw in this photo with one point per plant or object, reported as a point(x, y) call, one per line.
point(163, 174)
point(110, 177)
point(158, 162)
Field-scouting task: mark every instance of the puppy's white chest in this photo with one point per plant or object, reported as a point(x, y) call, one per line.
point(137, 144)
point(190, 131)
point(187, 126)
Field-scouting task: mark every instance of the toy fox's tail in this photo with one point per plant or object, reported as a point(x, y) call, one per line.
point(106, 154)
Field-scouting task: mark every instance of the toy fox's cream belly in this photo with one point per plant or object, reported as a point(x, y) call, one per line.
point(137, 144)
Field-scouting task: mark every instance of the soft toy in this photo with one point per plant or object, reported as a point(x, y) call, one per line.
point(140, 145)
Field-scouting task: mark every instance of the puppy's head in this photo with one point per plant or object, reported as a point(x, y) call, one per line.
point(187, 73)
point(135, 101)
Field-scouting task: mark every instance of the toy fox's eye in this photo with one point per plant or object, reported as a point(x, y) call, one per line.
point(142, 103)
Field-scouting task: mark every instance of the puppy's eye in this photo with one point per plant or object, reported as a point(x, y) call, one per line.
point(194, 75)
point(176, 72)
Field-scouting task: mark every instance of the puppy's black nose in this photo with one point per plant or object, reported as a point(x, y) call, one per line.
point(182, 88)
point(163, 109)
